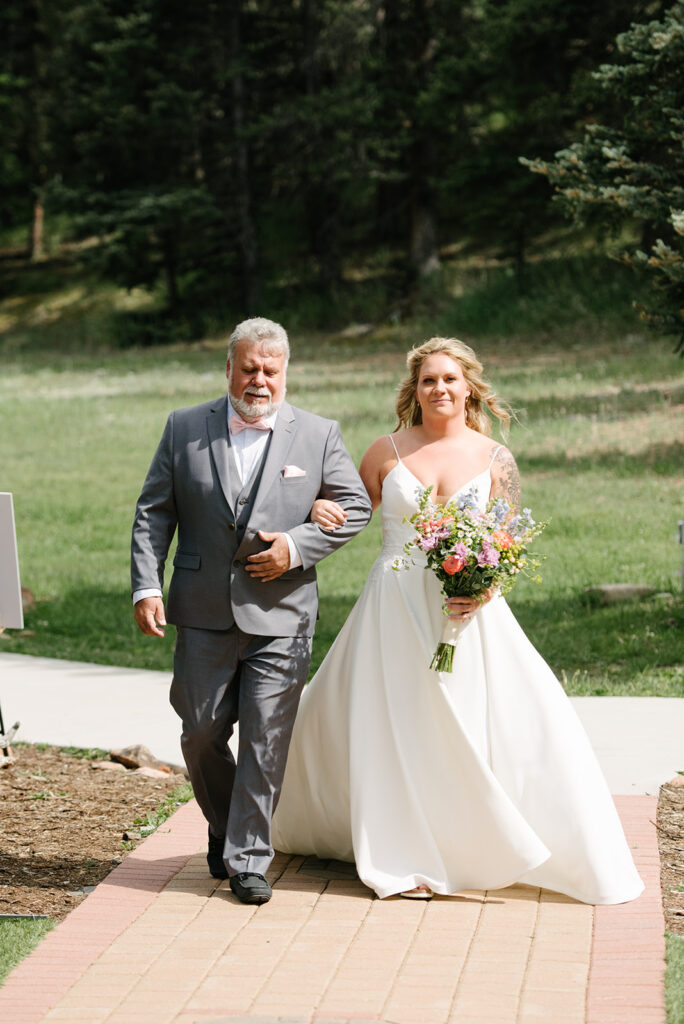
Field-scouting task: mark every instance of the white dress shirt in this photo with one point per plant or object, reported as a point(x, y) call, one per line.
point(248, 448)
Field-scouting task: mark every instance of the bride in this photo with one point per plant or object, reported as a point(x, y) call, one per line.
point(440, 782)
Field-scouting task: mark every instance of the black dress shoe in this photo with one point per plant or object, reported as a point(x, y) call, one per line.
point(250, 887)
point(217, 866)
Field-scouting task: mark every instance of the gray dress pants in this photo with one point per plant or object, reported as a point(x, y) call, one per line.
point(222, 677)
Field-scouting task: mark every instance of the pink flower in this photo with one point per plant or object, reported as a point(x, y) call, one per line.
point(489, 555)
point(453, 564)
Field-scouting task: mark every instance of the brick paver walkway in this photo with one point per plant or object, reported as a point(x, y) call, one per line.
point(160, 942)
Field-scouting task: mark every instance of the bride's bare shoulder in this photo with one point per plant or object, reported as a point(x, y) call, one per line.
point(378, 460)
point(379, 452)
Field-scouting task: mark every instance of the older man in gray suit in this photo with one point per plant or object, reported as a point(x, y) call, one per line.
point(238, 477)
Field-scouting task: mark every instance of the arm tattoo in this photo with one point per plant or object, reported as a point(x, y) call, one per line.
point(508, 479)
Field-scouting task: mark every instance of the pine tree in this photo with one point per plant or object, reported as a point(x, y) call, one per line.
point(630, 167)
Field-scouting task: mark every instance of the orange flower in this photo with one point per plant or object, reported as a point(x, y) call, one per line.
point(453, 564)
point(502, 540)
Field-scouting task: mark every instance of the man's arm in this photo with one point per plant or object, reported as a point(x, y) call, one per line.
point(340, 483)
point(153, 530)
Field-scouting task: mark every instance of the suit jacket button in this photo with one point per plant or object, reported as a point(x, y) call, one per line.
point(231, 526)
point(237, 563)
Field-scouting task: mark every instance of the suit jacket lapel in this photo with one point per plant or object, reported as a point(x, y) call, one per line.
point(283, 436)
point(221, 451)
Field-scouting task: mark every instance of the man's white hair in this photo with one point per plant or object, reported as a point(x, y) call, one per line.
point(258, 328)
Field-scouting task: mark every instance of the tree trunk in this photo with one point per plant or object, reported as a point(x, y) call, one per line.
point(249, 248)
point(424, 254)
point(323, 215)
point(36, 243)
point(520, 254)
point(170, 274)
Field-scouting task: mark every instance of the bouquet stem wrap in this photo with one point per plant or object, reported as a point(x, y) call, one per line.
point(443, 658)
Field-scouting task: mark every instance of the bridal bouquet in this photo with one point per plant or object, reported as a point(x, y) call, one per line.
point(470, 551)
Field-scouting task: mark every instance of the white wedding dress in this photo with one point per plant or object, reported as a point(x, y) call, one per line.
point(473, 779)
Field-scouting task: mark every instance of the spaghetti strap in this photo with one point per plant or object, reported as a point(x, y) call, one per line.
point(395, 447)
point(494, 455)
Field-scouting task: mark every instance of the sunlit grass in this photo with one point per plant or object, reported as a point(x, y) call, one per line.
point(599, 444)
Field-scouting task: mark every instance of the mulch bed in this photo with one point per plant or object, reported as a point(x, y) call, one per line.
point(63, 824)
point(670, 822)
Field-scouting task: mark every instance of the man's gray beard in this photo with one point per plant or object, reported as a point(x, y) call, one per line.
point(250, 412)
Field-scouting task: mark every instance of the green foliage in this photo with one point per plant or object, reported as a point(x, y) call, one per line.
point(631, 168)
point(18, 938)
point(171, 802)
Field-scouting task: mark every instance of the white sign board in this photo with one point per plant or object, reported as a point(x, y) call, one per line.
point(11, 612)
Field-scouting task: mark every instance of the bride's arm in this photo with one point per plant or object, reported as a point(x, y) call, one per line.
point(505, 479)
point(373, 468)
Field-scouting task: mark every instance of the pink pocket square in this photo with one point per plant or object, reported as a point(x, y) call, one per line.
point(293, 471)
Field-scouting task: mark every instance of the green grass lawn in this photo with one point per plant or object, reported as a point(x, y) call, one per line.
point(599, 444)
point(674, 979)
point(18, 938)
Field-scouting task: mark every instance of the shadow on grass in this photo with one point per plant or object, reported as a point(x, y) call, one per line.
point(662, 458)
point(612, 649)
point(620, 650)
point(609, 405)
point(90, 624)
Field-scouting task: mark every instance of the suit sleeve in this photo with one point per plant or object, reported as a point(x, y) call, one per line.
point(155, 518)
point(341, 483)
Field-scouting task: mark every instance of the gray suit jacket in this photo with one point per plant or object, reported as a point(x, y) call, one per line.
point(192, 484)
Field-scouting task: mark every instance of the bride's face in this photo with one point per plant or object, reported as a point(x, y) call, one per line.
point(442, 389)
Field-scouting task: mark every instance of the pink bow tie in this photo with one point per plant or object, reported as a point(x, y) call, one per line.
point(237, 424)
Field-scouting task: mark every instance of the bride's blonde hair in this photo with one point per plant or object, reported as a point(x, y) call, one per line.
point(481, 395)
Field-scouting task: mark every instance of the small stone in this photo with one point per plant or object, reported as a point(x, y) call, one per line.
point(618, 593)
point(152, 773)
point(107, 766)
point(139, 756)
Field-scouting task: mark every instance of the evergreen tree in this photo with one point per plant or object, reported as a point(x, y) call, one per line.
point(131, 104)
point(27, 33)
point(631, 167)
point(536, 58)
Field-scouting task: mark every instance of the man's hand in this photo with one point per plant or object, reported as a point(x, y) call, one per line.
point(269, 565)
point(149, 614)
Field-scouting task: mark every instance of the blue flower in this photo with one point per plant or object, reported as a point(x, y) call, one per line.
point(500, 510)
point(468, 500)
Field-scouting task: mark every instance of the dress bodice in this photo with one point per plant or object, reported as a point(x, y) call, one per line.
point(400, 490)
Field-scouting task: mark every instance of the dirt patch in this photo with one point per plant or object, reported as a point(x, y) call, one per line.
point(63, 824)
point(670, 821)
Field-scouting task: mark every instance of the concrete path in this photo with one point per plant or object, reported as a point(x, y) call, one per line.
point(638, 740)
